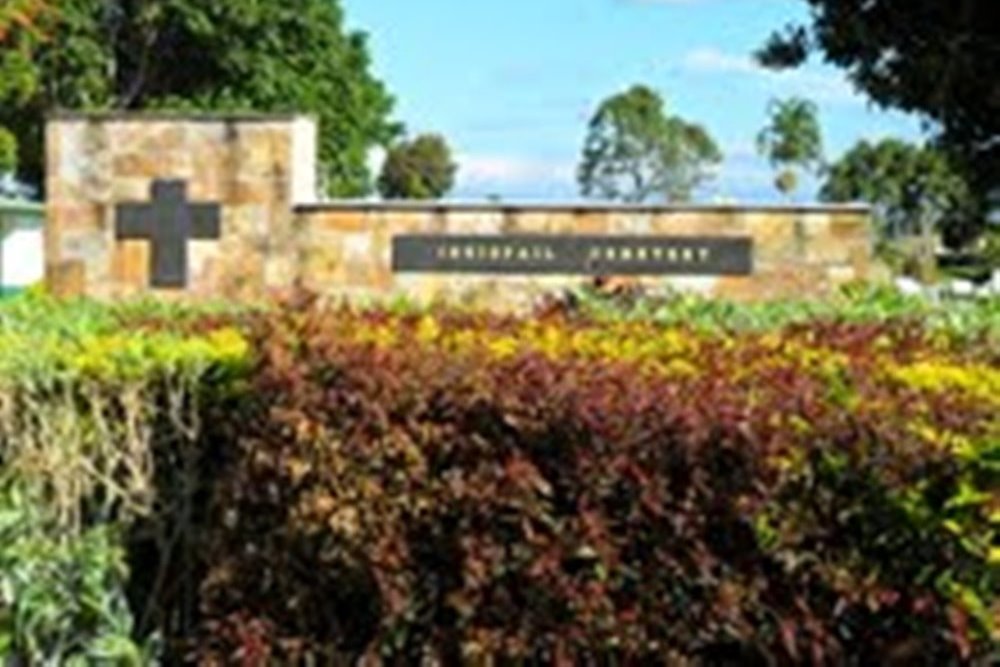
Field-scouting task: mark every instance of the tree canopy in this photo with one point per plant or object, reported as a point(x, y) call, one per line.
point(224, 55)
point(18, 33)
point(791, 141)
point(635, 151)
point(8, 152)
point(913, 189)
point(938, 59)
point(421, 168)
point(20, 14)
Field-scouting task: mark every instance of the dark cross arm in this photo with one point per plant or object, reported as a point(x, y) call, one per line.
point(205, 221)
point(132, 222)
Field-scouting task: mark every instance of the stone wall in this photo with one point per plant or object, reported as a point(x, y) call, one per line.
point(346, 248)
point(247, 164)
point(261, 171)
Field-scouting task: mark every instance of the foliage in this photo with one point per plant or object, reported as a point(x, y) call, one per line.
point(86, 402)
point(8, 152)
point(991, 249)
point(687, 482)
point(937, 59)
point(466, 488)
point(18, 33)
point(960, 321)
point(61, 600)
point(233, 55)
point(418, 169)
point(20, 15)
point(791, 140)
point(914, 189)
point(635, 151)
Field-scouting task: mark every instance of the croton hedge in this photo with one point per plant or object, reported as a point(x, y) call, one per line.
point(326, 485)
point(467, 488)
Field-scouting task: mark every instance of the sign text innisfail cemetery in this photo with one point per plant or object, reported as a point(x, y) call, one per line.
point(577, 254)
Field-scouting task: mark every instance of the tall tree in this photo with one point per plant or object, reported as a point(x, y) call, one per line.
point(8, 152)
point(19, 33)
point(20, 15)
point(938, 59)
point(422, 168)
point(224, 55)
point(914, 190)
point(635, 151)
point(791, 141)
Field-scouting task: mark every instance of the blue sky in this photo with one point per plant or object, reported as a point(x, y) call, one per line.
point(512, 84)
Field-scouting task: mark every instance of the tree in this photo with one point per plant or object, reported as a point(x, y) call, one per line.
point(912, 189)
point(634, 151)
point(20, 15)
point(225, 55)
point(419, 169)
point(791, 141)
point(8, 152)
point(938, 59)
point(19, 32)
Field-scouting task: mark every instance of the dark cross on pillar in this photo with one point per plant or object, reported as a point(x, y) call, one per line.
point(168, 223)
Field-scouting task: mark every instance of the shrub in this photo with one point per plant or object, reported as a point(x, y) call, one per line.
point(61, 597)
point(467, 488)
point(961, 320)
point(699, 484)
point(90, 397)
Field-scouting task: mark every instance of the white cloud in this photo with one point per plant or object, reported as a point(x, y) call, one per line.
point(709, 59)
point(828, 87)
point(508, 170)
point(747, 177)
point(665, 2)
point(743, 176)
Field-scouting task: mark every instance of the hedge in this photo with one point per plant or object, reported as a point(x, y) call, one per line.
point(316, 484)
point(89, 400)
point(465, 489)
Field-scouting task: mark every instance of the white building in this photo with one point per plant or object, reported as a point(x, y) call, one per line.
point(22, 247)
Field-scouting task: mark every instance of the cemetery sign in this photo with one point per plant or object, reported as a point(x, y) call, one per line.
point(592, 255)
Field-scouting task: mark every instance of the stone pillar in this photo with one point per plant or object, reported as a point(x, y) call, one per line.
point(256, 168)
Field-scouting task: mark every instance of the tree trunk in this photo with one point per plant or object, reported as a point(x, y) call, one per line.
point(926, 255)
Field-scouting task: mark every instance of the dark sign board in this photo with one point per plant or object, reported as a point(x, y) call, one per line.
point(586, 255)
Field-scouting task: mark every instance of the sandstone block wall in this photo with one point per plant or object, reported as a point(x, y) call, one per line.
point(261, 171)
point(250, 165)
point(347, 248)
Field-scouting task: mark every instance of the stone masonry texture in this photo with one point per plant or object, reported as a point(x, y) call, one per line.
point(261, 171)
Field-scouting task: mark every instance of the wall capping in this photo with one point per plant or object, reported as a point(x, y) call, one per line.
point(177, 116)
point(572, 206)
